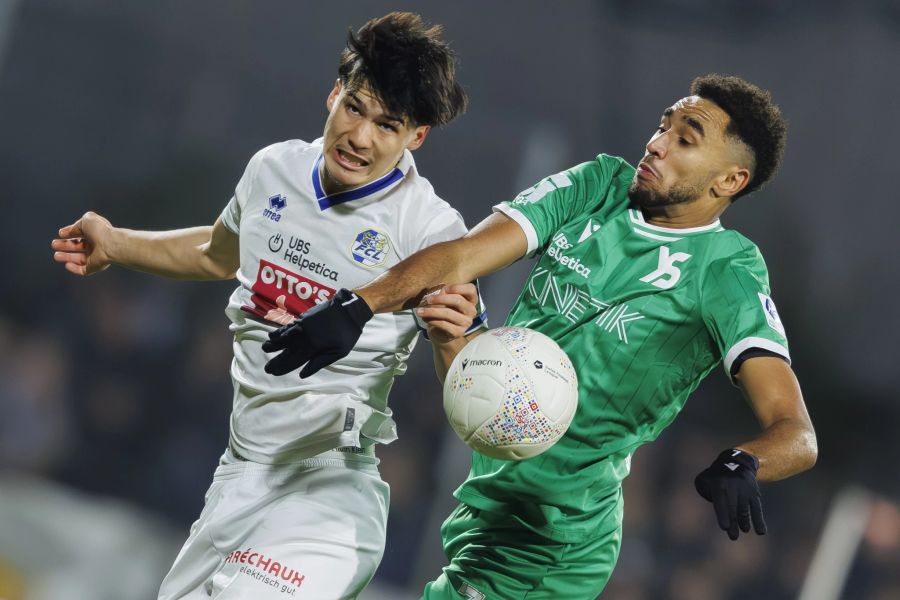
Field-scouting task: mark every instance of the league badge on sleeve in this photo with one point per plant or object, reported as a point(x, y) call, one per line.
point(771, 312)
point(370, 248)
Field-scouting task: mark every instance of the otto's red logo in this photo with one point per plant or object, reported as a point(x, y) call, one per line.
point(280, 295)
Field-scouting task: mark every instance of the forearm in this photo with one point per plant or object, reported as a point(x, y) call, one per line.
point(403, 284)
point(178, 254)
point(785, 448)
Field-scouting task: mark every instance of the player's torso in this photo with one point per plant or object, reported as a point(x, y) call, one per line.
point(622, 298)
point(294, 248)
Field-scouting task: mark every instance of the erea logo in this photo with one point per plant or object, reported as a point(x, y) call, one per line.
point(370, 248)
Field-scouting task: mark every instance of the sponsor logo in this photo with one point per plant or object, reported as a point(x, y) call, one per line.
point(276, 242)
point(276, 204)
point(666, 274)
point(772, 317)
point(267, 570)
point(470, 593)
point(555, 252)
point(481, 362)
point(578, 306)
point(538, 364)
point(296, 252)
point(370, 248)
point(278, 288)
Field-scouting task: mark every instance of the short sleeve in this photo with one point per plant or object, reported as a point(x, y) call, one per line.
point(231, 215)
point(738, 308)
point(556, 200)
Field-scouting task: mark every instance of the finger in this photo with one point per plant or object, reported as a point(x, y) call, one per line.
point(70, 257)
point(756, 512)
point(73, 230)
point(732, 495)
point(69, 245)
point(445, 330)
point(469, 291)
point(284, 363)
point(279, 338)
point(77, 269)
point(317, 363)
point(720, 503)
point(743, 513)
point(454, 301)
point(440, 313)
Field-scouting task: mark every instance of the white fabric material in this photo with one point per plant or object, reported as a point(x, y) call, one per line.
point(311, 529)
point(293, 249)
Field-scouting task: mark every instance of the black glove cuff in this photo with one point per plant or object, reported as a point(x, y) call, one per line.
point(745, 459)
point(353, 306)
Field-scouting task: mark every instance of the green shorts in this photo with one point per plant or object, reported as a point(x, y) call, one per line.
point(492, 557)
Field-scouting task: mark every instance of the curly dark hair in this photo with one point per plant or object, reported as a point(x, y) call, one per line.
point(407, 66)
point(754, 119)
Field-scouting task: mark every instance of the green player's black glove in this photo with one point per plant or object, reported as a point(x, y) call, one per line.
point(730, 484)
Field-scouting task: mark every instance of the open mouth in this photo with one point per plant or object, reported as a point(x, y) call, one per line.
point(349, 161)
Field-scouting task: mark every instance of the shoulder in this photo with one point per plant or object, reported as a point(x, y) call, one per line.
point(735, 257)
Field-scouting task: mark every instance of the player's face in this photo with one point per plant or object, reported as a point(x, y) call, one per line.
point(362, 141)
point(686, 156)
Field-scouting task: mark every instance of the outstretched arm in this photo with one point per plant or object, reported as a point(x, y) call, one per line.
point(496, 242)
point(786, 446)
point(92, 244)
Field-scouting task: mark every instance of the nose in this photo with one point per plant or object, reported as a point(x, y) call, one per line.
point(657, 145)
point(361, 135)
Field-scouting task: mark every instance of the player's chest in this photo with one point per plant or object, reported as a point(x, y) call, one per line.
point(289, 237)
point(621, 280)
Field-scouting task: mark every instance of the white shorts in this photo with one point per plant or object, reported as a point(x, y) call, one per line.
point(309, 529)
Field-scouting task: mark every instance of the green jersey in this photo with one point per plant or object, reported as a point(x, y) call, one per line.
point(644, 313)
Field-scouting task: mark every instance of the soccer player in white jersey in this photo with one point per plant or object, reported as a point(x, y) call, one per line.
point(297, 507)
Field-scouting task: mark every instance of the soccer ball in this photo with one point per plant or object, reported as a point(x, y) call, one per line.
point(511, 393)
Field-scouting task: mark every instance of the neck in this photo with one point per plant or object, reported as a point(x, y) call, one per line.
point(685, 215)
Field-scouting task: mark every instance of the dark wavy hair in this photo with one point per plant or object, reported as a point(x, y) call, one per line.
point(407, 66)
point(754, 120)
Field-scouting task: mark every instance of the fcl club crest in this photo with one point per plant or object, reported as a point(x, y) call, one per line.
point(370, 248)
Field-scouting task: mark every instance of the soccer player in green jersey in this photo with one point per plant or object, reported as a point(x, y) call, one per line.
point(646, 292)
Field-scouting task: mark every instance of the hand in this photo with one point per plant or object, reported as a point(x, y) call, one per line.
point(730, 484)
point(320, 336)
point(448, 311)
point(81, 246)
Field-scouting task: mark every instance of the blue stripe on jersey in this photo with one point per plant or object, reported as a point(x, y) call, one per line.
point(476, 323)
point(326, 201)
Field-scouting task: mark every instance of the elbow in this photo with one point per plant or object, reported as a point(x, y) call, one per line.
point(809, 451)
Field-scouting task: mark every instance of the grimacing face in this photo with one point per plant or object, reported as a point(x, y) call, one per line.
point(362, 142)
point(687, 157)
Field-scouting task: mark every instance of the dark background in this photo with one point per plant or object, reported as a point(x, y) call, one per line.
point(114, 391)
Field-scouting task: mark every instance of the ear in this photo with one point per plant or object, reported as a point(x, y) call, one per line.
point(731, 182)
point(333, 95)
point(418, 138)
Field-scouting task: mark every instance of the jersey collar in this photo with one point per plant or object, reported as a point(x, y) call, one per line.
point(367, 190)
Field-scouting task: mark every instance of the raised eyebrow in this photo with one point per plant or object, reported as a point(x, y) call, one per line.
point(363, 109)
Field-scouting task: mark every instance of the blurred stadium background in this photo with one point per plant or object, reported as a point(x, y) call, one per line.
point(114, 392)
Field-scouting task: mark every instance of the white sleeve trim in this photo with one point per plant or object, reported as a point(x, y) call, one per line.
point(754, 342)
point(524, 223)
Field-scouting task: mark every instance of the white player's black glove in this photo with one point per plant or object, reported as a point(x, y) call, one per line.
point(320, 336)
point(730, 484)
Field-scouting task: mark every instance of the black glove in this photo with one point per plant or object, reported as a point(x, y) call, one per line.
point(320, 336)
point(730, 484)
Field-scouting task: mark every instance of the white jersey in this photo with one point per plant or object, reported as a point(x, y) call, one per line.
point(299, 246)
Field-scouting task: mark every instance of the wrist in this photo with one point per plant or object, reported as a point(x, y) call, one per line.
point(741, 457)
